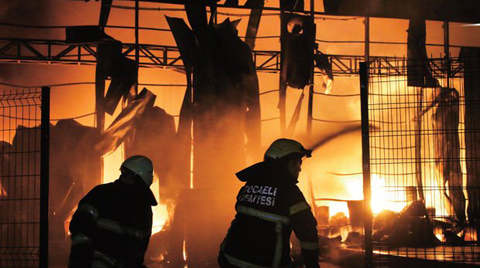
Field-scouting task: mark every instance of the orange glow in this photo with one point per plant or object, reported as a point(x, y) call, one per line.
point(160, 212)
point(191, 157)
point(184, 251)
point(337, 207)
point(439, 234)
point(2, 191)
point(381, 199)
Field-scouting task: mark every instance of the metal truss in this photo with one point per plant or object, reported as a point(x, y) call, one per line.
point(159, 56)
point(440, 68)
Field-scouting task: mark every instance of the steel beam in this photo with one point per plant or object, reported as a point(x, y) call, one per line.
point(160, 56)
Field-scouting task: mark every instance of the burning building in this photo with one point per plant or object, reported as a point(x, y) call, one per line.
point(208, 109)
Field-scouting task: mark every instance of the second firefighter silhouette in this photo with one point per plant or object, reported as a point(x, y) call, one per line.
point(113, 223)
point(269, 207)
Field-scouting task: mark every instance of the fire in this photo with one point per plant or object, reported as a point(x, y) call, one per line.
point(382, 199)
point(184, 250)
point(338, 207)
point(160, 213)
point(439, 234)
point(380, 196)
point(2, 191)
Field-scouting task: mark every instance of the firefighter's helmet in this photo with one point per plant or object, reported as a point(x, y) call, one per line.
point(142, 166)
point(283, 147)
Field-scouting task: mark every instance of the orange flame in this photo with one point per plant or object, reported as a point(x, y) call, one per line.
point(3, 192)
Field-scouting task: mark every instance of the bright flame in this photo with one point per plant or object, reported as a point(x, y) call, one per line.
point(382, 200)
point(191, 161)
point(184, 251)
point(2, 191)
point(379, 196)
point(439, 234)
point(337, 207)
point(160, 212)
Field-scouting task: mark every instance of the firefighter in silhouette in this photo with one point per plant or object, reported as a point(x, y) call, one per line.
point(269, 207)
point(113, 223)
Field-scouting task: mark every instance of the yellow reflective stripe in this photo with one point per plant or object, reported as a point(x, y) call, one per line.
point(277, 257)
point(243, 264)
point(136, 233)
point(110, 225)
point(309, 245)
point(87, 208)
point(240, 263)
point(116, 227)
point(263, 215)
point(80, 238)
point(104, 259)
point(298, 207)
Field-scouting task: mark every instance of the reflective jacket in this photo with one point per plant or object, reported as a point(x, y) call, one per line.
point(269, 207)
point(112, 226)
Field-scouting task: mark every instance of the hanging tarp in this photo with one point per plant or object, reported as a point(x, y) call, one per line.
point(419, 73)
point(297, 41)
point(297, 47)
point(447, 150)
point(471, 64)
point(448, 172)
point(109, 55)
point(122, 71)
point(185, 39)
point(225, 91)
point(124, 77)
point(104, 12)
point(197, 17)
point(123, 126)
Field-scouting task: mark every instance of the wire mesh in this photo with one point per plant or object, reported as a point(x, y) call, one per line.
point(418, 164)
point(20, 177)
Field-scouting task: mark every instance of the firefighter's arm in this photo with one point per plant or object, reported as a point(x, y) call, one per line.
point(304, 225)
point(82, 227)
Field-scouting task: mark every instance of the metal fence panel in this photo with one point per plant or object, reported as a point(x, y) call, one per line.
point(20, 177)
point(419, 187)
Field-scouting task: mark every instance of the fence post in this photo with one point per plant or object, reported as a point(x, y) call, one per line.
point(366, 163)
point(44, 175)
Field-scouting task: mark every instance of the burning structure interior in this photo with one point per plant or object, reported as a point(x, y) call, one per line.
point(207, 109)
